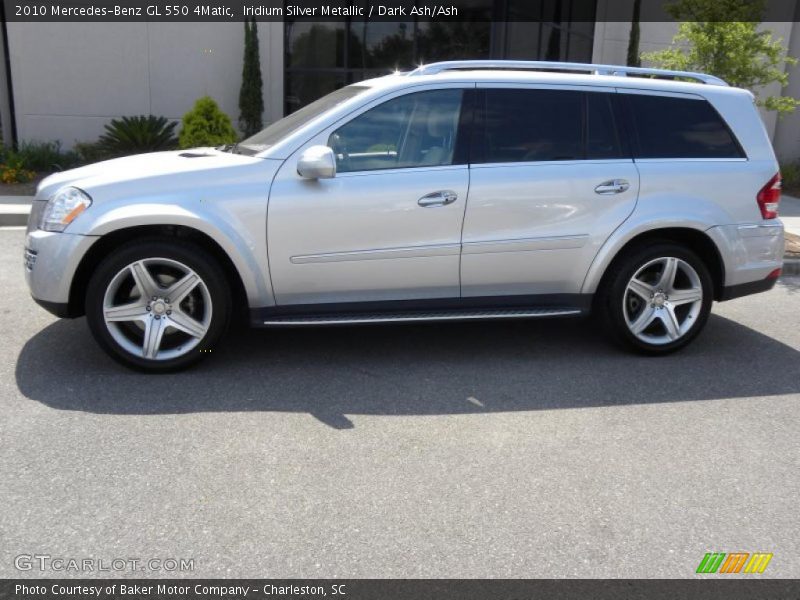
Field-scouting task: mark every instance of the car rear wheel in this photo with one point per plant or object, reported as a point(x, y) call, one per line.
point(656, 299)
point(158, 305)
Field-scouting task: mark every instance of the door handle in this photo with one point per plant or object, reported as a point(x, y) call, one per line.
point(440, 198)
point(612, 186)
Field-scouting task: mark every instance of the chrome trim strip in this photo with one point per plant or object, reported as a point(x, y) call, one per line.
point(764, 230)
point(562, 242)
point(442, 317)
point(380, 254)
point(684, 160)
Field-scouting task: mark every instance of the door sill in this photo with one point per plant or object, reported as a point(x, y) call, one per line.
point(437, 309)
point(451, 315)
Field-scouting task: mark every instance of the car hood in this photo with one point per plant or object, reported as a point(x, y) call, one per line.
point(142, 171)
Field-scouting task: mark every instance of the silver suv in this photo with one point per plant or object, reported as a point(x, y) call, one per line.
point(460, 190)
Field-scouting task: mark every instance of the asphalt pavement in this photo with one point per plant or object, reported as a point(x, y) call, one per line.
point(505, 449)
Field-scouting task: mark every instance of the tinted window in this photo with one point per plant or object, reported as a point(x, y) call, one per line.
point(602, 137)
point(415, 130)
point(545, 125)
point(670, 127)
point(532, 125)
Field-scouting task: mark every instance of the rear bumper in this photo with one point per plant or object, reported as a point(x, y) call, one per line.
point(750, 254)
point(729, 292)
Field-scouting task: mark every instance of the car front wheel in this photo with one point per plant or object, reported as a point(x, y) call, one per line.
point(158, 305)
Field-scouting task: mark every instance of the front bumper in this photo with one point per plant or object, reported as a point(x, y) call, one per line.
point(51, 261)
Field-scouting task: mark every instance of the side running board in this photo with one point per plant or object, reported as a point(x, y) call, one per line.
point(433, 315)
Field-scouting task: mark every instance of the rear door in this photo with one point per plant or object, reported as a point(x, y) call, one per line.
point(550, 180)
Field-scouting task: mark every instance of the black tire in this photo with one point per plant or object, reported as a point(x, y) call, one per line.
point(613, 293)
point(190, 255)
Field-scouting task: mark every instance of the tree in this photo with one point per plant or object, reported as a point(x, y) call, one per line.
point(251, 101)
point(721, 37)
point(633, 40)
point(206, 125)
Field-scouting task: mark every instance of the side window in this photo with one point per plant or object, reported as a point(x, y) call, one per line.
point(415, 130)
point(521, 125)
point(669, 127)
point(602, 136)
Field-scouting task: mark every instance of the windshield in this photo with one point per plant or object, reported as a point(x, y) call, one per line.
point(280, 129)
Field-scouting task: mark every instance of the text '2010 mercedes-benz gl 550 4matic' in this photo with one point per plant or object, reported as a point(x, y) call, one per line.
point(460, 190)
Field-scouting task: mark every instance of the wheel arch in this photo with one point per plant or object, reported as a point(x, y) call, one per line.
point(696, 240)
point(109, 241)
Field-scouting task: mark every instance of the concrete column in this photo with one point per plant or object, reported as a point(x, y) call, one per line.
point(787, 131)
point(5, 96)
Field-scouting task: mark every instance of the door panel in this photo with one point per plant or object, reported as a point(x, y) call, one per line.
point(365, 237)
point(535, 228)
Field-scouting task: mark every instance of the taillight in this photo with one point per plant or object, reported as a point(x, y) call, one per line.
point(769, 196)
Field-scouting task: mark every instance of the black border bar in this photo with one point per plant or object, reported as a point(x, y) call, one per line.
point(740, 587)
point(342, 10)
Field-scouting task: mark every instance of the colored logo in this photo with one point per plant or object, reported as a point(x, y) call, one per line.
point(734, 562)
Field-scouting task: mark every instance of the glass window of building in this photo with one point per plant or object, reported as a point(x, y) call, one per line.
point(321, 57)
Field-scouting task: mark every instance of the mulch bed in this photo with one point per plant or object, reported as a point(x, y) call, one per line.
point(22, 189)
point(792, 245)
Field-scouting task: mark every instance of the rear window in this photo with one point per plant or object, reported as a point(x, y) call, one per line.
point(532, 125)
point(669, 127)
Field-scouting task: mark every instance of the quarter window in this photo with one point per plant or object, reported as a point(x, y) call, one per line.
point(415, 130)
point(670, 127)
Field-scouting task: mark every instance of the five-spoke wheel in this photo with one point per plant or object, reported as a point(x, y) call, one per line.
point(656, 298)
point(159, 305)
point(157, 308)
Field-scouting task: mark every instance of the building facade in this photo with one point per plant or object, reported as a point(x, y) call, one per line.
point(65, 81)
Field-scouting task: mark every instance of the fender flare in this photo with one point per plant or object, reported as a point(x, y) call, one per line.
point(240, 250)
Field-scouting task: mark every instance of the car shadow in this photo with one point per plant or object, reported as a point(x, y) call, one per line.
point(433, 369)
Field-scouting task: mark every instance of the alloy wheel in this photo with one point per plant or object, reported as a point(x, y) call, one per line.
point(157, 308)
point(662, 300)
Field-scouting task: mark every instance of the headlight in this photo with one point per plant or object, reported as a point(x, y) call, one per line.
point(63, 208)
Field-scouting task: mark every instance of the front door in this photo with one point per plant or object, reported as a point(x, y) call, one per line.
point(388, 225)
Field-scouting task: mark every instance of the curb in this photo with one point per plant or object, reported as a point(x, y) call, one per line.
point(791, 266)
point(14, 214)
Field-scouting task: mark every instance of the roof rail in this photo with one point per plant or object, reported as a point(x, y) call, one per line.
point(538, 65)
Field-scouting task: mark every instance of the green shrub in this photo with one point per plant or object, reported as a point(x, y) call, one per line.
point(251, 101)
point(13, 171)
point(136, 135)
point(41, 156)
point(790, 172)
point(91, 152)
point(206, 125)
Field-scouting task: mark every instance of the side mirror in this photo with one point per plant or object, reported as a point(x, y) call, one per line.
point(317, 162)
